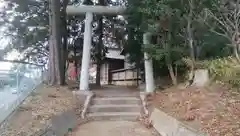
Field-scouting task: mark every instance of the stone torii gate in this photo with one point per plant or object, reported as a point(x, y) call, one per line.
point(97, 9)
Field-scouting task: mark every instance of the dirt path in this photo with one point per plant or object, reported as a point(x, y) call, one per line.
point(113, 128)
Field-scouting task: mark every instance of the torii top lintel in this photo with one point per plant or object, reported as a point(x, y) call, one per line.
point(97, 9)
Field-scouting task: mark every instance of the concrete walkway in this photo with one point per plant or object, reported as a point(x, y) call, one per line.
point(113, 128)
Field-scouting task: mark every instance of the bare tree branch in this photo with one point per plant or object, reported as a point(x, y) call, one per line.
point(17, 61)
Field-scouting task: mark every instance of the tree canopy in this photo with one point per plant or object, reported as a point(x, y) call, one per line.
point(181, 30)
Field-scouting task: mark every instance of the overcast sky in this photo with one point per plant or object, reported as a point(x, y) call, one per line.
point(1, 4)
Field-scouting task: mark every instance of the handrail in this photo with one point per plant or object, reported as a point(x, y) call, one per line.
point(122, 70)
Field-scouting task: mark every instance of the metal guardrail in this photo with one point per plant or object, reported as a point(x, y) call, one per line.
point(16, 84)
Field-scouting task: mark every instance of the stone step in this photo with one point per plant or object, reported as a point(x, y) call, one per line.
point(115, 108)
point(116, 94)
point(114, 115)
point(116, 100)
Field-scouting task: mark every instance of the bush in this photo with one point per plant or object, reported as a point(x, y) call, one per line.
point(225, 69)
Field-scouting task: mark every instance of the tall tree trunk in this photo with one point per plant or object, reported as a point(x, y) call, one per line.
point(235, 50)
point(191, 47)
point(64, 43)
point(99, 52)
point(170, 69)
point(75, 61)
point(99, 48)
point(51, 72)
point(54, 56)
point(168, 60)
point(172, 75)
point(190, 39)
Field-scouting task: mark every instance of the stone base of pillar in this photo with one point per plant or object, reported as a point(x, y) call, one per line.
point(86, 104)
point(143, 96)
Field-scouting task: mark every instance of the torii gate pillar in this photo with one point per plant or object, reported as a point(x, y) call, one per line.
point(87, 42)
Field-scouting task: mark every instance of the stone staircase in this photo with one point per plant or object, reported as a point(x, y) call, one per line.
point(115, 106)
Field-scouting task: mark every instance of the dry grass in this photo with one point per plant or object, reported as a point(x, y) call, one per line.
point(36, 111)
point(215, 110)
